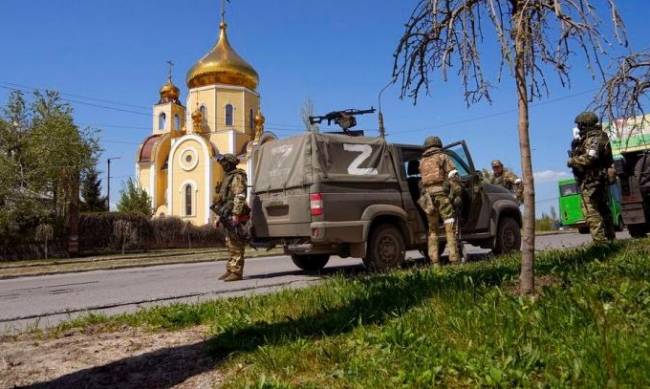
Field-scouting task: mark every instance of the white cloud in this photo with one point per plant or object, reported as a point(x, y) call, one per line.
point(549, 176)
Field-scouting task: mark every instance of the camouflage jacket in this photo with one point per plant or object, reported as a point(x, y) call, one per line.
point(593, 156)
point(232, 192)
point(508, 180)
point(436, 168)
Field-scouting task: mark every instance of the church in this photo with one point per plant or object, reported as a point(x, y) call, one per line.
point(177, 163)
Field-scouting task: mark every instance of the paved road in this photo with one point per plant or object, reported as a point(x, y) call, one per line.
point(46, 300)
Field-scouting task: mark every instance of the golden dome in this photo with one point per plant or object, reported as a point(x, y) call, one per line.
point(169, 93)
point(222, 65)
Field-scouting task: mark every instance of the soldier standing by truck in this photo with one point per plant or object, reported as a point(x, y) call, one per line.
point(591, 160)
point(440, 190)
point(232, 211)
point(505, 178)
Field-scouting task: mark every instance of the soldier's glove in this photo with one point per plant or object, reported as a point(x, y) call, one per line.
point(234, 220)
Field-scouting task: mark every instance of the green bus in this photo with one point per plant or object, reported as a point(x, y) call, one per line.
point(571, 205)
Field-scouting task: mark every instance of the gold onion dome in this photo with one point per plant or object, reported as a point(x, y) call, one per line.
point(222, 65)
point(169, 92)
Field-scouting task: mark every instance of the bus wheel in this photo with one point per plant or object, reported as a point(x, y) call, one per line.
point(637, 230)
point(621, 225)
point(583, 229)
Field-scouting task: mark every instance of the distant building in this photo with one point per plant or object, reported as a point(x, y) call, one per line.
point(176, 165)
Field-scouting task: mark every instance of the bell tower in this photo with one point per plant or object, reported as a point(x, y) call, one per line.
point(168, 113)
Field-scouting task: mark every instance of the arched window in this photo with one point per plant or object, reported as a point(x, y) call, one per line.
point(188, 200)
point(251, 119)
point(228, 115)
point(177, 122)
point(162, 121)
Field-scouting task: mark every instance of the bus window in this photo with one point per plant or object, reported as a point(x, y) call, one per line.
point(568, 189)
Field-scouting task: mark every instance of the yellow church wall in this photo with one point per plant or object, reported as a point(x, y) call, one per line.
point(206, 97)
point(251, 101)
point(161, 154)
point(235, 98)
point(193, 174)
point(143, 176)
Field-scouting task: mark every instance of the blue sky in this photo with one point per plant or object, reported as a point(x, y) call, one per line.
point(338, 53)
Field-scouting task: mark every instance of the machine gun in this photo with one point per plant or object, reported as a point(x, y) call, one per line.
point(344, 119)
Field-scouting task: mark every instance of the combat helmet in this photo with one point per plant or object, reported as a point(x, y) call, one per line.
point(586, 119)
point(228, 160)
point(496, 163)
point(432, 141)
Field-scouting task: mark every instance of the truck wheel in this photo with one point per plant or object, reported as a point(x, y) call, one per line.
point(311, 263)
point(386, 248)
point(508, 237)
point(637, 230)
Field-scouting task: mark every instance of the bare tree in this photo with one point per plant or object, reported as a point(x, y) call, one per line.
point(534, 36)
point(623, 95)
point(306, 111)
point(124, 233)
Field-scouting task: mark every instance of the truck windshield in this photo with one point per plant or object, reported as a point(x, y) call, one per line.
point(568, 189)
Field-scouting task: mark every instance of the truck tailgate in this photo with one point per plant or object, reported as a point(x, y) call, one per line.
point(281, 213)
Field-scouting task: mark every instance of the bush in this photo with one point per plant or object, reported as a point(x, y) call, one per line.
point(96, 231)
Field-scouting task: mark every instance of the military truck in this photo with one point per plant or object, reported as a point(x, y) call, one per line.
point(630, 140)
point(320, 194)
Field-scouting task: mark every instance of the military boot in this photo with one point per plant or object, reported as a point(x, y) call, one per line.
point(233, 277)
point(452, 244)
point(224, 275)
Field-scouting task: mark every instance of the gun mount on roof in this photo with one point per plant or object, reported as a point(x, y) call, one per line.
point(344, 119)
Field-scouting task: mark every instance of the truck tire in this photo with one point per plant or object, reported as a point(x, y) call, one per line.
point(311, 263)
point(637, 230)
point(386, 249)
point(508, 237)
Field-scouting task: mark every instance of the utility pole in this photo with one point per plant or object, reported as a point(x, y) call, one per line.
point(108, 182)
point(382, 129)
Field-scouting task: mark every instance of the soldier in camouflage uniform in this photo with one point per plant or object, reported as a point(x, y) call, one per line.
point(590, 161)
point(439, 186)
point(231, 196)
point(505, 178)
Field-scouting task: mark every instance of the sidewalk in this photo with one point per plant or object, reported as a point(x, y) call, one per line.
point(13, 269)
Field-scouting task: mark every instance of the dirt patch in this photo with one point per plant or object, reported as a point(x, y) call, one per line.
point(541, 282)
point(129, 358)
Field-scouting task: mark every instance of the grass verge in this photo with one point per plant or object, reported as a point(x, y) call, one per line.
point(462, 326)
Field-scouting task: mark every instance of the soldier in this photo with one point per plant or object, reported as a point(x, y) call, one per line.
point(231, 203)
point(592, 158)
point(439, 182)
point(505, 178)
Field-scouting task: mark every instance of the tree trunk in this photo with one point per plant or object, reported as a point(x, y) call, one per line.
point(527, 275)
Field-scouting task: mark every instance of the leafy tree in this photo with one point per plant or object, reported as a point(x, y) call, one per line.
point(134, 199)
point(91, 192)
point(532, 36)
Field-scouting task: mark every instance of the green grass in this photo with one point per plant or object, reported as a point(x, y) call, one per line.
point(463, 326)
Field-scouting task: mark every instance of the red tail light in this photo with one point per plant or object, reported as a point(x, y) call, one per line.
point(316, 204)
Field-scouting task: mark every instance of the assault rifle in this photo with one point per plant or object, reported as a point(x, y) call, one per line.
point(578, 173)
point(344, 119)
point(224, 213)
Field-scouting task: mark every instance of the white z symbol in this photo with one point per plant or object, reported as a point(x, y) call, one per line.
point(354, 168)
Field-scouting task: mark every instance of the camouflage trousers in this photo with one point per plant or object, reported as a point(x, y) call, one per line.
point(436, 205)
point(595, 207)
point(236, 249)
